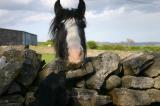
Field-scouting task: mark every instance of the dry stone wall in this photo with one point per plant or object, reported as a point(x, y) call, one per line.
point(18, 72)
point(104, 80)
point(107, 80)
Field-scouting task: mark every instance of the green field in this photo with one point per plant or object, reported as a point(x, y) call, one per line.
point(48, 57)
point(48, 53)
point(122, 47)
point(130, 48)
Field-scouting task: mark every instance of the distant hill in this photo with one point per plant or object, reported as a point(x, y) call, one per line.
point(135, 44)
point(148, 43)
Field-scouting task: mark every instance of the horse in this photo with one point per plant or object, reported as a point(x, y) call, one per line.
point(67, 29)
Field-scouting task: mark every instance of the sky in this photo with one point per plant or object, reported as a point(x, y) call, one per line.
point(107, 20)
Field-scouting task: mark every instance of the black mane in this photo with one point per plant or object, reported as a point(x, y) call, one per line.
point(58, 31)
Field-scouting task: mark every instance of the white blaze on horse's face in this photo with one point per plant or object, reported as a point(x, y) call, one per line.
point(75, 50)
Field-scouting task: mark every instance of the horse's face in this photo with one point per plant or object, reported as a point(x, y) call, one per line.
point(68, 30)
point(75, 48)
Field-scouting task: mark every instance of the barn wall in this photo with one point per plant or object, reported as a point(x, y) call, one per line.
point(33, 40)
point(29, 39)
point(13, 37)
point(10, 37)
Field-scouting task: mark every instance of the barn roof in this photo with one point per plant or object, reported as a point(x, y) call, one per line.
point(4, 29)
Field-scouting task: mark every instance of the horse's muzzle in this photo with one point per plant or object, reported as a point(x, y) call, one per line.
point(76, 56)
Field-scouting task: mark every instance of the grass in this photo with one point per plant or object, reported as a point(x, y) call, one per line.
point(45, 43)
point(130, 48)
point(48, 52)
point(48, 57)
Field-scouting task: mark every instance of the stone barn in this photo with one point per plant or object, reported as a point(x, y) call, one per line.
point(15, 37)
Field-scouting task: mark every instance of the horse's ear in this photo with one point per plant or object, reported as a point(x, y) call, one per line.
point(57, 7)
point(81, 8)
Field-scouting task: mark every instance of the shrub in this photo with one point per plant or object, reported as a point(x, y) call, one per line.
point(92, 44)
point(47, 43)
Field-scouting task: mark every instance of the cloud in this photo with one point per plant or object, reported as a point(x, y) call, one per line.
point(119, 24)
point(22, 1)
point(139, 5)
point(48, 3)
point(108, 14)
point(108, 19)
point(27, 5)
point(15, 12)
point(10, 18)
point(35, 17)
point(96, 5)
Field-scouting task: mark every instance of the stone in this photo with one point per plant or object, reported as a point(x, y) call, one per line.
point(154, 95)
point(81, 84)
point(30, 68)
point(102, 100)
point(3, 62)
point(14, 88)
point(157, 82)
point(33, 88)
point(1, 51)
point(85, 97)
point(50, 68)
point(14, 55)
point(71, 73)
point(12, 67)
point(85, 70)
point(27, 75)
point(136, 63)
point(14, 99)
point(8, 74)
point(154, 70)
point(128, 97)
point(29, 98)
point(12, 104)
point(81, 92)
point(104, 64)
point(137, 82)
point(113, 82)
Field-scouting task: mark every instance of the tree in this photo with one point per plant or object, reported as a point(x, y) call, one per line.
point(92, 44)
point(130, 42)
